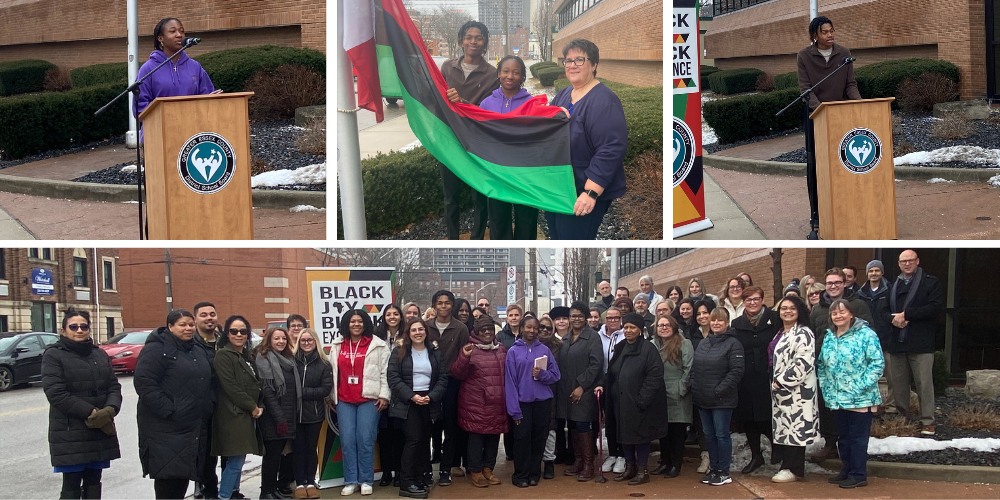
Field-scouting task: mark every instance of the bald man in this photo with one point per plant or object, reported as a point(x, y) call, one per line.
point(916, 300)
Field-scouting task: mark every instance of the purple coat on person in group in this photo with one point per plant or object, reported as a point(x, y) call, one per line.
point(519, 385)
point(183, 76)
point(500, 103)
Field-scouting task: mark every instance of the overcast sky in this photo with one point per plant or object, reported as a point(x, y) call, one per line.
point(469, 6)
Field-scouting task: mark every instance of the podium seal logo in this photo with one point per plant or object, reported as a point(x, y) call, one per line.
point(860, 151)
point(206, 163)
point(684, 151)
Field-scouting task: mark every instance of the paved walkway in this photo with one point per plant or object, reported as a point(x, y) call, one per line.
point(11, 228)
point(730, 223)
point(69, 167)
point(765, 150)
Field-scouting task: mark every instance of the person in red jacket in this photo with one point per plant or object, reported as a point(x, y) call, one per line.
point(481, 404)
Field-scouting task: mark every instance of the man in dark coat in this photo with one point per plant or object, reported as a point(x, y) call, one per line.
point(450, 335)
point(875, 293)
point(602, 304)
point(206, 322)
point(916, 300)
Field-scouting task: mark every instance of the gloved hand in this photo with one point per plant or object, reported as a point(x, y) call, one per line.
point(282, 429)
point(102, 417)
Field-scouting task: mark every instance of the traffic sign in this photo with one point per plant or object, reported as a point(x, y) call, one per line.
point(511, 293)
point(511, 274)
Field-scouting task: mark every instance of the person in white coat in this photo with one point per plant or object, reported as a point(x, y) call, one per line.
point(793, 390)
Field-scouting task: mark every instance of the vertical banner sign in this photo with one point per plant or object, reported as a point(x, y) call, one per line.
point(333, 292)
point(689, 190)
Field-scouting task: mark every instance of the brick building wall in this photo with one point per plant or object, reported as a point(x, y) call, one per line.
point(73, 33)
point(768, 36)
point(99, 298)
point(629, 34)
point(260, 284)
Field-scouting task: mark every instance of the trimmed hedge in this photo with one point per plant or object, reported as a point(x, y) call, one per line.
point(535, 68)
point(882, 79)
point(100, 74)
point(707, 71)
point(230, 69)
point(644, 116)
point(734, 81)
point(739, 118)
point(34, 123)
point(24, 76)
point(786, 81)
point(548, 76)
point(614, 86)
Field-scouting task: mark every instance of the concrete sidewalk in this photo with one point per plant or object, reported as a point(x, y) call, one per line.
point(730, 223)
point(386, 137)
point(12, 229)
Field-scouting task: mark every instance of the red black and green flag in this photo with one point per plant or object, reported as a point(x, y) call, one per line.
point(522, 157)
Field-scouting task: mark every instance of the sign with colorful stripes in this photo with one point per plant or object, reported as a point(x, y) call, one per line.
point(689, 188)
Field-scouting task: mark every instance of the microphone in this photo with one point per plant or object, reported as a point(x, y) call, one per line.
point(188, 42)
point(847, 60)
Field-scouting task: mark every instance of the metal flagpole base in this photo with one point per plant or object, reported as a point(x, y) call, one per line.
point(693, 227)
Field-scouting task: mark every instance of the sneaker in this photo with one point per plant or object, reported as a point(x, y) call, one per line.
point(608, 464)
point(853, 483)
point(784, 476)
point(348, 490)
point(721, 478)
point(707, 479)
point(619, 465)
point(366, 489)
point(457, 472)
point(444, 479)
point(837, 479)
point(927, 430)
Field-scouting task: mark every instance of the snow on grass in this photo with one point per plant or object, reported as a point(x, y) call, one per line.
point(938, 180)
point(310, 174)
point(707, 134)
point(895, 445)
point(306, 208)
point(970, 154)
point(413, 145)
point(127, 169)
point(994, 181)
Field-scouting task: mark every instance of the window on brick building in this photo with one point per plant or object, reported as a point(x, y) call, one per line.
point(3, 323)
point(79, 272)
point(108, 268)
point(3, 265)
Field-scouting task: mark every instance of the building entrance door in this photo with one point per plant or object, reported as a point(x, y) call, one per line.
point(992, 49)
point(43, 317)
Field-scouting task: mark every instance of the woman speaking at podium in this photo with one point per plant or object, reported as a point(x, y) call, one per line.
point(816, 62)
point(181, 76)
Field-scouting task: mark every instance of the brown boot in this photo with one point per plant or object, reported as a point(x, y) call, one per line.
point(641, 477)
point(577, 466)
point(587, 473)
point(478, 480)
point(828, 451)
point(488, 474)
point(630, 472)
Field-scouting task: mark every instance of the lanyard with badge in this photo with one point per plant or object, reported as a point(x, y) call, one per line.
point(353, 378)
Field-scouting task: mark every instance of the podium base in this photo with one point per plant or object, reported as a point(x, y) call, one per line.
point(693, 227)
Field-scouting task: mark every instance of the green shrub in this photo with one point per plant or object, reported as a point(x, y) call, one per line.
point(614, 86)
point(230, 69)
point(21, 77)
point(882, 79)
point(99, 74)
point(401, 189)
point(644, 117)
point(706, 71)
point(940, 374)
point(548, 76)
point(40, 122)
point(788, 80)
point(535, 68)
point(734, 81)
point(743, 117)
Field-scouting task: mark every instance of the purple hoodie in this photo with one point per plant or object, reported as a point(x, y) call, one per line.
point(519, 385)
point(183, 76)
point(500, 103)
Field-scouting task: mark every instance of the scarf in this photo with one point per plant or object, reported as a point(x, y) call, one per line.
point(269, 370)
point(756, 318)
point(910, 294)
point(82, 348)
point(488, 347)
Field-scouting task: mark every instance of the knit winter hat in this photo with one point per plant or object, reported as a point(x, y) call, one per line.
point(635, 319)
point(641, 297)
point(875, 263)
point(559, 312)
point(483, 322)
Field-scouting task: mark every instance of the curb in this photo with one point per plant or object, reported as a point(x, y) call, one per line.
point(119, 193)
point(766, 167)
point(925, 472)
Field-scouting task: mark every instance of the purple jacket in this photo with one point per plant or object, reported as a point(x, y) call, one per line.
point(500, 103)
point(184, 76)
point(519, 385)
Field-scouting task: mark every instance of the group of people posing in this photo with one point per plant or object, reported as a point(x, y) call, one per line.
point(598, 139)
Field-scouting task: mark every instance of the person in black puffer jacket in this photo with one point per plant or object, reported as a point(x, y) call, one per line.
point(715, 375)
point(176, 388)
point(316, 379)
point(84, 396)
point(282, 398)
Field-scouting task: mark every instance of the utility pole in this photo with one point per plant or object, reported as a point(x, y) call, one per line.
point(614, 269)
point(533, 278)
point(813, 9)
point(166, 279)
point(506, 40)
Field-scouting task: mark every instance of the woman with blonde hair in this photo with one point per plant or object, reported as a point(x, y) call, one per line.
point(316, 378)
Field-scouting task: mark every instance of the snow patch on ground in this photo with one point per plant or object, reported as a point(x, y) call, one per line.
point(894, 445)
point(127, 169)
point(938, 180)
point(971, 154)
point(306, 208)
point(707, 134)
point(309, 174)
point(413, 145)
point(994, 181)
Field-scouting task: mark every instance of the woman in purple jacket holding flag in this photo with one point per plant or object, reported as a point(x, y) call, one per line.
point(511, 95)
point(527, 386)
point(181, 76)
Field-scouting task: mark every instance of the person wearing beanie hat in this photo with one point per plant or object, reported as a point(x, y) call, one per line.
point(875, 293)
point(792, 287)
point(560, 320)
point(875, 263)
point(641, 303)
point(637, 397)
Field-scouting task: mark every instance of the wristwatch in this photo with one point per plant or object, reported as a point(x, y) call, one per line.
point(591, 193)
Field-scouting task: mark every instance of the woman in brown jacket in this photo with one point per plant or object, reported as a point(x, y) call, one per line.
point(815, 62)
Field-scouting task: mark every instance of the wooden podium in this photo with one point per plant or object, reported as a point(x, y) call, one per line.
point(856, 187)
point(197, 151)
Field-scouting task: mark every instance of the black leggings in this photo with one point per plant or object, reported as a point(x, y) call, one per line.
point(672, 445)
point(271, 464)
point(754, 431)
point(76, 484)
point(304, 451)
point(170, 488)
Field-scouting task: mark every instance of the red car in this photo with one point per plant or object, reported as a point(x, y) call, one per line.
point(124, 350)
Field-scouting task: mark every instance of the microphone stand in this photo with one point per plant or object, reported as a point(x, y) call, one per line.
point(811, 176)
point(139, 164)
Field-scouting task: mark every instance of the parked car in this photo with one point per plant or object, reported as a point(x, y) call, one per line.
point(123, 349)
point(21, 357)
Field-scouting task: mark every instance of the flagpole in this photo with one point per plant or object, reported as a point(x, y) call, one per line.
point(352, 196)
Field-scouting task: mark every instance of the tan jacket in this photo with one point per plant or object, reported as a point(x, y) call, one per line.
point(813, 67)
point(478, 86)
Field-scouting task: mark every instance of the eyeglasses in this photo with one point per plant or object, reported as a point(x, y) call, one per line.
point(735, 287)
point(81, 327)
point(484, 304)
point(238, 331)
point(815, 294)
point(488, 329)
point(907, 261)
point(306, 341)
point(834, 283)
point(787, 308)
point(296, 326)
point(753, 300)
point(663, 326)
point(545, 328)
point(575, 62)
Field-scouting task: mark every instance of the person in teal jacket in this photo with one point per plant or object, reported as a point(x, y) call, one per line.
point(848, 367)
